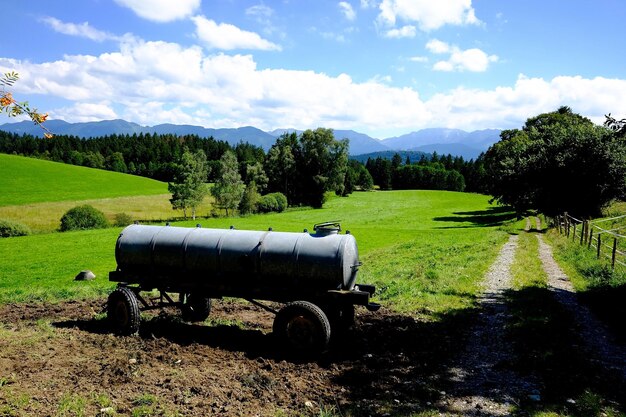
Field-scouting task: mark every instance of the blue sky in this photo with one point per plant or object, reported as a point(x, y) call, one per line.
point(381, 67)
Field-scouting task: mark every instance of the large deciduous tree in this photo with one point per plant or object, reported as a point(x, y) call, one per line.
point(559, 161)
point(229, 188)
point(189, 185)
point(305, 167)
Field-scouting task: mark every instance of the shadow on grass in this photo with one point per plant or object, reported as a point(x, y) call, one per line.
point(608, 303)
point(493, 216)
point(548, 346)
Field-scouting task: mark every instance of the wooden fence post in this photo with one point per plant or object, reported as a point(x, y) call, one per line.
point(583, 232)
point(599, 244)
point(574, 232)
point(590, 239)
point(614, 251)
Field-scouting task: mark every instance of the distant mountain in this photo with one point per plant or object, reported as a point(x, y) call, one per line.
point(121, 127)
point(479, 139)
point(443, 141)
point(456, 149)
point(425, 137)
point(360, 143)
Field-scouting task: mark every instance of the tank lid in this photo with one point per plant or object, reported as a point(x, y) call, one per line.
point(327, 228)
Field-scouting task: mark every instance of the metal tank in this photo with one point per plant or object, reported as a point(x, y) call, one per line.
point(210, 257)
point(314, 275)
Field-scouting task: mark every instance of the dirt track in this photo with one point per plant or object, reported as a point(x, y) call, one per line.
point(52, 353)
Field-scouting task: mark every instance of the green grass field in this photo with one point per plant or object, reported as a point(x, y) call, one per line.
point(425, 250)
point(28, 180)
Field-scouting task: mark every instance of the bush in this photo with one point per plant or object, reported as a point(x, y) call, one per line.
point(122, 219)
point(83, 217)
point(281, 201)
point(274, 202)
point(11, 229)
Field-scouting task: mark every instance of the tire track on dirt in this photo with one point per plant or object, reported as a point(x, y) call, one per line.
point(601, 345)
point(481, 384)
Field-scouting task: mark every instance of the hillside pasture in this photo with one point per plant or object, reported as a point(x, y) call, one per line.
point(37, 193)
point(29, 180)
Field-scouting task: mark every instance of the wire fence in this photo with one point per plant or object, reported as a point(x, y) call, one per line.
point(608, 244)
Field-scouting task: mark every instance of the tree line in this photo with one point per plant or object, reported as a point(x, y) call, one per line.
point(299, 168)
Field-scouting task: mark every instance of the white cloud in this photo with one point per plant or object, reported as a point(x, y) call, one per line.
point(428, 14)
point(161, 10)
point(157, 82)
point(347, 10)
point(83, 30)
point(227, 37)
point(437, 47)
point(473, 59)
point(368, 4)
point(407, 31)
point(85, 112)
point(422, 59)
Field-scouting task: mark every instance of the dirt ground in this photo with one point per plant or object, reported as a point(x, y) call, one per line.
point(60, 359)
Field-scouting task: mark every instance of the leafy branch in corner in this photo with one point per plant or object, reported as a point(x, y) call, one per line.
point(618, 126)
point(14, 108)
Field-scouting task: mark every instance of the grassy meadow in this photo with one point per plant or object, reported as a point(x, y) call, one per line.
point(426, 251)
point(37, 193)
point(29, 180)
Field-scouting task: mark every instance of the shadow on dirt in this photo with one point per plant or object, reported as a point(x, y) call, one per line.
point(392, 364)
point(493, 216)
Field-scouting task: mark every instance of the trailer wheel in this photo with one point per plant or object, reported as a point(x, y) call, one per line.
point(303, 327)
point(123, 311)
point(195, 307)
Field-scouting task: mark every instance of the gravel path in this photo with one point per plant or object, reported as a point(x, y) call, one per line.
point(481, 385)
point(601, 345)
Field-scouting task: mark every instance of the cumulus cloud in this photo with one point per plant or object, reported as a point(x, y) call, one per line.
point(347, 10)
point(83, 30)
point(407, 31)
point(157, 82)
point(427, 14)
point(161, 10)
point(473, 59)
point(225, 36)
point(85, 112)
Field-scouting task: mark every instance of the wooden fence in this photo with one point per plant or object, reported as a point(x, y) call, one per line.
point(607, 243)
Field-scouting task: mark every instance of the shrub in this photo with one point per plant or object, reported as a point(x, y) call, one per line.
point(274, 202)
point(83, 217)
point(267, 203)
point(122, 219)
point(281, 201)
point(11, 229)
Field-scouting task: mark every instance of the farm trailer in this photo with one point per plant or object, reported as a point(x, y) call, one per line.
point(314, 275)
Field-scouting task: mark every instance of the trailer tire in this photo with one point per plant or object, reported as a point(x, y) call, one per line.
point(302, 327)
point(123, 311)
point(195, 307)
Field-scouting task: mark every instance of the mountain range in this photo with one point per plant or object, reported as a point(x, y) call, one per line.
point(441, 140)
